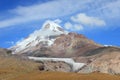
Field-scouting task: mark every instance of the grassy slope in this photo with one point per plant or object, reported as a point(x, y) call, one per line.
point(11, 67)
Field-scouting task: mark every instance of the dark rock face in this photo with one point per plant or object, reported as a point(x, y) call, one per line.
point(55, 66)
point(5, 52)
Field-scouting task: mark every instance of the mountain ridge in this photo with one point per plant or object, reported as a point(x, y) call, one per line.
point(54, 41)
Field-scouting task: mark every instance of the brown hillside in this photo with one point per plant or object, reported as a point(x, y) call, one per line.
point(65, 76)
point(11, 67)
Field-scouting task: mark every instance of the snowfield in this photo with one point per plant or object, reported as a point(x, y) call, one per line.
point(75, 66)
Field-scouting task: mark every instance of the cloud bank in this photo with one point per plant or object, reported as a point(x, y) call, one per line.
point(73, 27)
point(62, 8)
point(84, 19)
point(80, 20)
point(51, 9)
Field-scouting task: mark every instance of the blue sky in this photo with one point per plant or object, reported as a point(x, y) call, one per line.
point(96, 19)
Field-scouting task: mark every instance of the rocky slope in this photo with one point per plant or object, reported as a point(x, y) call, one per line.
point(5, 52)
point(105, 60)
point(55, 66)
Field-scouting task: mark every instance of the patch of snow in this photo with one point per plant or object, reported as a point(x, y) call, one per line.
point(75, 66)
point(108, 45)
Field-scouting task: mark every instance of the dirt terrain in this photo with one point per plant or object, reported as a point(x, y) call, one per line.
point(65, 76)
point(11, 67)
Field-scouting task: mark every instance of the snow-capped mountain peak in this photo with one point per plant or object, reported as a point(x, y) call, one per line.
point(49, 28)
point(52, 26)
point(45, 37)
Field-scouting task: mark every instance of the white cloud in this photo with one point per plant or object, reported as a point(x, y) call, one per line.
point(51, 9)
point(61, 8)
point(82, 18)
point(73, 27)
point(79, 21)
point(14, 21)
point(68, 25)
point(109, 9)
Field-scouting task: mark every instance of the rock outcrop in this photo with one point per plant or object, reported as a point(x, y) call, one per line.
point(105, 60)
